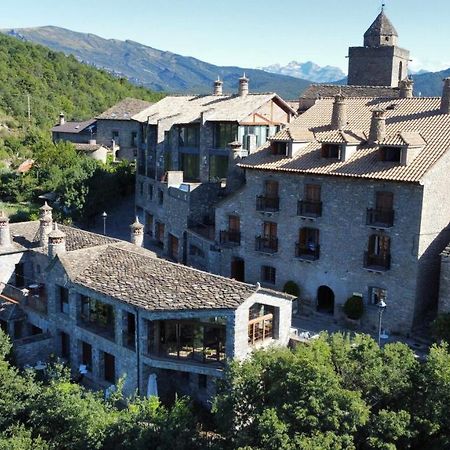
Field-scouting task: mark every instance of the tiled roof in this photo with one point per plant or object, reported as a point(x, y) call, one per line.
point(125, 109)
point(25, 235)
point(73, 127)
point(341, 136)
point(412, 139)
point(298, 135)
point(446, 251)
point(144, 281)
point(188, 108)
point(409, 115)
point(316, 91)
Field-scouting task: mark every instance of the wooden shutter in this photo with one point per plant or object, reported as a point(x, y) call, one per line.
point(271, 189)
point(312, 193)
point(385, 200)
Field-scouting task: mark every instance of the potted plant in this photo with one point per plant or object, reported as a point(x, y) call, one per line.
point(354, 309)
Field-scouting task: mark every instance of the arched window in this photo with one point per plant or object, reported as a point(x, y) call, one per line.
point(400, 71)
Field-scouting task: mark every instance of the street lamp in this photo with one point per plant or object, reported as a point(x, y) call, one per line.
point(381, 307)
point(104, 216)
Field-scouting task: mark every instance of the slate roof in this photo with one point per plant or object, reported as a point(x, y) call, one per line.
point(25, 235)
point(140, 279)
point(189, 108)
point(317, 91)
point(87, 147)
point(381, 26)
point(409, 115)
point(125, 109)
point(446, 251)
point(73, 127)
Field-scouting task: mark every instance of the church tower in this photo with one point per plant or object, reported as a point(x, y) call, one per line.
point(380, 62)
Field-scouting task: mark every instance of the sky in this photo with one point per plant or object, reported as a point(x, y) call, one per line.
point(248, 33)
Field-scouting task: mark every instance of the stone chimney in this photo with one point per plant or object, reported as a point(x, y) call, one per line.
point(62, 119)
point(406, 88)
point(137, 233)
point(5, 233)
point(56, 242)
point(218, 87)
point(235, 175)
point(378, 126)
point(339, 115)
point(243, 86)
point(445, 100)
point(45, 223)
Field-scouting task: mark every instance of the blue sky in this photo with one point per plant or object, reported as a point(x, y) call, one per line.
point(248, 33)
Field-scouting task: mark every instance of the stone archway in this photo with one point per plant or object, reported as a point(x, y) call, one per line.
point(325, 300)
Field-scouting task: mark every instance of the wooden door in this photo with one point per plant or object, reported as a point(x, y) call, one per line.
point(238, 269)
point(270, 230)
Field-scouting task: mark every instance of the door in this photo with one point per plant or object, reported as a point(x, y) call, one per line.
point(20, 278)
point(173, 247)
point(238, 269)
point(270, 230)
point(325, 300)
point(271, 189)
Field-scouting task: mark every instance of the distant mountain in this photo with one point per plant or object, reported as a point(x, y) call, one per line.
point(156, 69)
point(429, 84)
point(308, 71)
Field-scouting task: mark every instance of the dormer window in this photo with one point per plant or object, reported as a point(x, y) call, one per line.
point(280, 148)
point(331, 151)
point(391, 154)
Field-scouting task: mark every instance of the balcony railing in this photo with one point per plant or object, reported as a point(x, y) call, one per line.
point(264, 203)
point(309, 209)
point(380, 217)
point(380, 262)
point(105, 330)
point(308, 252)
point(230, 237)
point(266, 244)
point(128, 340)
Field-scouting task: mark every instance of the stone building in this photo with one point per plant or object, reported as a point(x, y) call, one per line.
point(181, 174)
point(117, 129)
point(111, 309)
point(350, 198)
point(444, 287)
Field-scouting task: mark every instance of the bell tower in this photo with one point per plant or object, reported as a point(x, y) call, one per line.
point(380, 62)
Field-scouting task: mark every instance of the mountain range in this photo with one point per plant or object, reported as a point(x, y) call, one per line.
point(156, 69)
point(169, 72)
point(308, 71)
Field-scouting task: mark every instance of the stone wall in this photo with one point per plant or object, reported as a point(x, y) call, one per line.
point(444, 294)
point(343, 240)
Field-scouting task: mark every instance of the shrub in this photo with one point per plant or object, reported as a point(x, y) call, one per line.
point(291, 288)
point(354, 307)
point(441, 328)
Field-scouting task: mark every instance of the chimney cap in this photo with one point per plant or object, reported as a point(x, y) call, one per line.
point(243, 78)
point(45, 207)
point(56, 232)
point(136, 225)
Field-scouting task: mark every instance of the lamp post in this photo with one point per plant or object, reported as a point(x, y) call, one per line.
point(381, 307)
point(104, 216)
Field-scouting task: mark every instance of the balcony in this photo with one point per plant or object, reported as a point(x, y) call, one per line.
point(270, 204)
point(307, 208)
point(266, 244)
point(307, 252)
point(100, 328)
point(379, 263)
point(128, 340)
point(231, 238)
point(33, 297)
point(380, 218)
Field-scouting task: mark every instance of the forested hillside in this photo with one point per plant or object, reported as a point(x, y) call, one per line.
point(56, 83)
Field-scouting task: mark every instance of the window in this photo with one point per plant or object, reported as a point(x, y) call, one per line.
point(109, 368)
point(189, 136)
point(270, 230)
point(268, 242)
point(218, 167)
point(150, 191)
point(390, 154)
point(234, 223)
point(115, 135)
point(19, 275)
point(98, 317)
point(308, 244)
point(63, 294)
point(268, 274)
point(190, 165)
point(271, 189)
point(196, 251)
point(173, 247)
point(159, 233)
point(149, 224)
point(332, 151)
point(311, 205)
point(261, 322)
point(65, 345)
point(270, 201)
point(129, 330)
point(133, 142)
point(141, 188)
point(378, 255)
point(202, 381)
point(224, 133)
point(279, 148)
point(160, 196)
point(376, 295)
point(86, 355)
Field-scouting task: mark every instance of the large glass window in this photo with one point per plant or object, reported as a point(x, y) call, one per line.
point(261, 323)
point(97, 316)
point(189, 136)
point(190, 166)
point(224, 133)
point(218, 166)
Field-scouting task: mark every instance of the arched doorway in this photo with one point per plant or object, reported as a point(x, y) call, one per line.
point(325, 300)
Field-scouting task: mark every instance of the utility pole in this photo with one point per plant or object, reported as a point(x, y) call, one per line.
point(29, 107)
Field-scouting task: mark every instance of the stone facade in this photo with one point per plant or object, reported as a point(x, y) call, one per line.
point(444, 294)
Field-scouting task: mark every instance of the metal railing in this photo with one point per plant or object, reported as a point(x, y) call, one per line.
point(381, 217)
point(308, 252)
point(264, 203)
point(230, 237)
point(377, 262)
point(309, 208)
point(266, 244)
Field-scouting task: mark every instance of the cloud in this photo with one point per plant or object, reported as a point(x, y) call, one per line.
point(430, 65)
